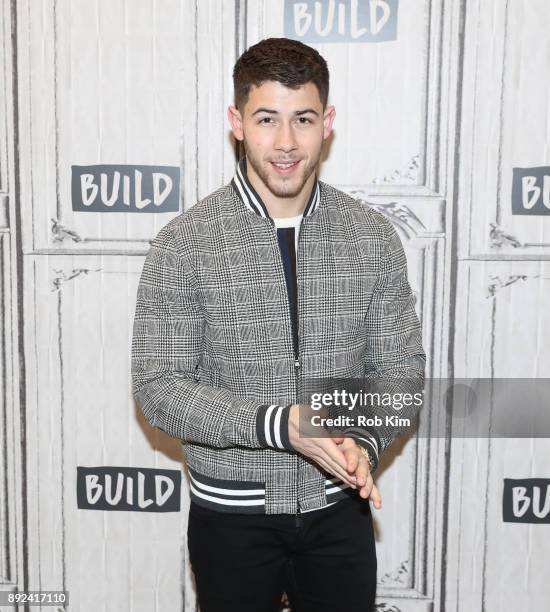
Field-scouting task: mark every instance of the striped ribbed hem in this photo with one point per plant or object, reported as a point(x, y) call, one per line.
point(244, 497)
point(227, 495)
point(335, 485)
point(320, 508)
point(272, 426)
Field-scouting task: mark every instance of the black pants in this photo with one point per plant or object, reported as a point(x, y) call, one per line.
point(326, 561)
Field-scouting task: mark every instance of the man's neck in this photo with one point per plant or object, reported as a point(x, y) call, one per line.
point(277, 207)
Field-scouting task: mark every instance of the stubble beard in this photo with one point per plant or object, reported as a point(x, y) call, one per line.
point(281, 187)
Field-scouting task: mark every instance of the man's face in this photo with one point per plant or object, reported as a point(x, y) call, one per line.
point(283, 132)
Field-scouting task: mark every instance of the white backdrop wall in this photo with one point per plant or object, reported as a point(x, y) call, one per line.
point(430, 126)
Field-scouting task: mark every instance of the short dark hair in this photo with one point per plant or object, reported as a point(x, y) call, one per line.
point(287, 61)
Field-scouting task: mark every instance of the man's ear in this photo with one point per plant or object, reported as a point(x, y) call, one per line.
point(328, 119)
point(235, 121)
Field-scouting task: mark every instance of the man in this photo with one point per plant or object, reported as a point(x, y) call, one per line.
point(272, 279)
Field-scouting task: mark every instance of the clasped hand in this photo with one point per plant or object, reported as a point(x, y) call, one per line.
point(339, 456)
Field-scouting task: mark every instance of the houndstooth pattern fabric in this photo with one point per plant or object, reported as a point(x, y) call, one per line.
point(212, 355)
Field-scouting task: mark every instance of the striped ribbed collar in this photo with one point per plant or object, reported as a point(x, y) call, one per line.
point(252, 200)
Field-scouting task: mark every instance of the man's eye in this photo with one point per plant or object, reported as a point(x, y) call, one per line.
point(265, 119)
point(304, 120)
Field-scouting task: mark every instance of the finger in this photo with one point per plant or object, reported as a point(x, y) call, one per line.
point(337, 471)
point(334, 454)
point(342, 474)
point(363, 469)
point(365, 490)
point(353, 459)
point(375, 497)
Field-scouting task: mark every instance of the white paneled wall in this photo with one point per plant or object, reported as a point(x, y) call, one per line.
point(428, 129)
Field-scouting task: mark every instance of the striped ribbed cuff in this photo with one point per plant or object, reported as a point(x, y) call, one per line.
point(272, 426)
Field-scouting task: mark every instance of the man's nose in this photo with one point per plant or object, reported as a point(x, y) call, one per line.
point(285, 140)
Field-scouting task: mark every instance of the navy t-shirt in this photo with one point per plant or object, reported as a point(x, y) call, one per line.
point(287, 235)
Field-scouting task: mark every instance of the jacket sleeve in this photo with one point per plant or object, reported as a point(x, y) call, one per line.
point(395, 359)
point(167, 345)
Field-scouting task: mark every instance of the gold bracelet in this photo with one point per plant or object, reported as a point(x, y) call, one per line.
point(365, 452)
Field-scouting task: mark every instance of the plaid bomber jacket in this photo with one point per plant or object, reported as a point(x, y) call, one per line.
point(213, 360)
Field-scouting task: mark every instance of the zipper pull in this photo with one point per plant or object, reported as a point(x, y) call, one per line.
point(297, 363)
point(298, 517)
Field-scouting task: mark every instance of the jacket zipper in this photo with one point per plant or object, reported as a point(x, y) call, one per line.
point(297, 364)
point(297, 376)
point(296, 350)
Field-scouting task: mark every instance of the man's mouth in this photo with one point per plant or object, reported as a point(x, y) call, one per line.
point(285, 167)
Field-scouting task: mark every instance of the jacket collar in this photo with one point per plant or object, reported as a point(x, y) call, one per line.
point(250, 198)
